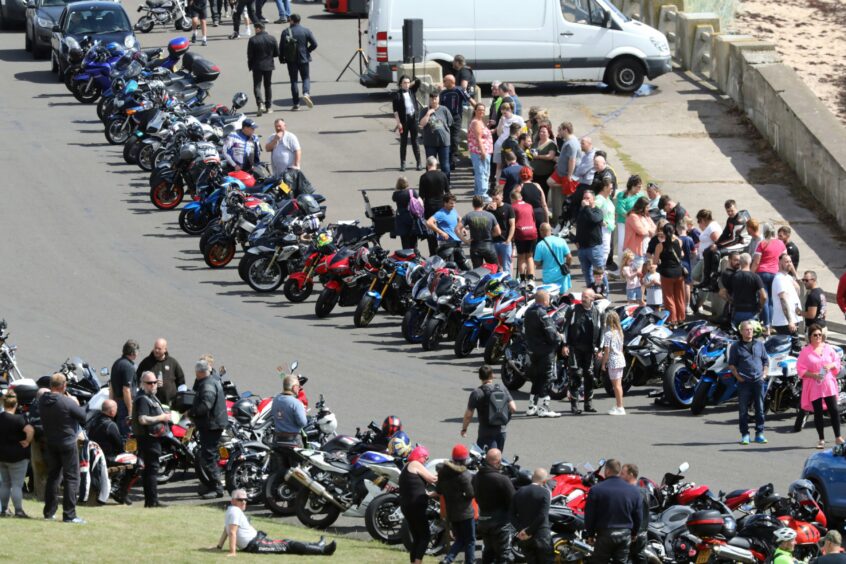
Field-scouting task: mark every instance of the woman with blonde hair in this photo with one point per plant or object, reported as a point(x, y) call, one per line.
point(613, 360)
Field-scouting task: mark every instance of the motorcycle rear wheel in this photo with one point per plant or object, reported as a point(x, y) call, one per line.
point(166, 195)
point(118, 131)
point(494, 349)
point(677, 380)
point(559, 387)
point(431, 334)
point(146, 157)
point(219, 252)
point(131, 149)
point(279, 495)
point(183, 24)
point(261, 277)
point(145, 24)
point(384, 519)
point(68, 78)
point(315, 512)
point(246, 475)
point(294, 293)
point(438, 540)
point(464, 342)
point(365, 311)
point(606, 383)
point(191, 224)
point(104, 108)
point(211, 231)
point(700, 399)
point(167, 469)
point(412, 325)
point(326, 302)
point(510, 378)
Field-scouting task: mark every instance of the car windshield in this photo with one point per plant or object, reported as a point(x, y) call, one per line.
point(100, 20)
point(48, 3)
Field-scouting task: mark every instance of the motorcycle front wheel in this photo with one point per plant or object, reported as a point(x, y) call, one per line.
point(700, 399)
point(263, 277)
point(365, 311)
point(384, 519)
point(494, 348)
point(118, 131)
point(295, 293)
point(219, 252)
point(167, 195)
point(86, 93)
point(465, 342)
point(412, 325)
point(167, 467)
point(315, 512)
point(184, 24)
point(145, 157)
point(438, 538)
point(246, 475)
point(512, 379)
point(131, 149)
point(193, 223)
point(679, 385)
point(104, 108)
point(145, 24)
point(560, 386)
point(326, 302)
point(279, 495)
point(431, 334)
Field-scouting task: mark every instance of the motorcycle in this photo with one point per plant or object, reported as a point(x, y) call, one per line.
point(163, 12)
point(505, 312)
point(443, 318)
point(9, 371)
point(344, 275)
point(478, 320)
point(420, 279)
point(388, 289)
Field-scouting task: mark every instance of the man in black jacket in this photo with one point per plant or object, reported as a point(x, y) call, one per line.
point(62, 419)
point(262, 51)
point(455, 485)
point(102, 430)
point(582, 336)
point(494, 492)
point(148, 421)
point(209, 415)
point(298, 57)
point(589, 237)
point(167, 370)
point(406, 108)
point(629, 473)
point(122, 385)
point(543, 342)
point(613, 512)
point(530, 518)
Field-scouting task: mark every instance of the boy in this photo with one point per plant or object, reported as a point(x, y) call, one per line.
point(599, 287)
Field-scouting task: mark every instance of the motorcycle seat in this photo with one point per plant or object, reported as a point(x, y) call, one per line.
point(740, 542)
point(405, 253)
point(152, 53)
point(778, 344)
point(155, 3)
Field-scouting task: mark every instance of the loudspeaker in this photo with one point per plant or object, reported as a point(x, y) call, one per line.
point(412, 41)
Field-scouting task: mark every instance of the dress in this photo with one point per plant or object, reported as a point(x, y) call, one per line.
point(811, 362)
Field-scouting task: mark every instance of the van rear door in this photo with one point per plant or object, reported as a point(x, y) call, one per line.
point(583, 41)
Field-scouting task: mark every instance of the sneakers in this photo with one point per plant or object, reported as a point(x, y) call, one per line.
point(205, 42)
point(281, 21)
point(75, 521)
point(268, 109)
point(617, 411)
point(307, 99)
point(545, 411)
point(215, 23)
point(760, 439)
point(235, 35)
point(744, 439)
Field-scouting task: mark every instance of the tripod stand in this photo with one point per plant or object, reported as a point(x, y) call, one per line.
point(359, 53)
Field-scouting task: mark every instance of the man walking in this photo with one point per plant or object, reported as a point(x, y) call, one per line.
point(262, 51)
point(483, 227)
point(61, 418)
point(494, 492)
point(494, 405)
point(581, 338)
point(196, 10)
point(748, 363)
point(435, 124)
point(122, 385)
point(209, 415)
point(543, 342)
point(284, 149)
point(613, 514)
point(165, 368)
point(530, 518)
point(249, 5)
point(295, 49)
point(149, 424)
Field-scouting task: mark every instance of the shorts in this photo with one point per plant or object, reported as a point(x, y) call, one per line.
point(634, 294)
point(615, 373)
point(524, 247)
point(196, 10)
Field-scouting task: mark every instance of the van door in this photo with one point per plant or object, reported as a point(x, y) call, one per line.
point(583, 40)
point(514, 41)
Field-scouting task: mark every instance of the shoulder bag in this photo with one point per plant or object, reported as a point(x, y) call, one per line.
point(565, 270)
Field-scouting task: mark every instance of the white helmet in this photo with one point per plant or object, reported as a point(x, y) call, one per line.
point(784, 534)
point(327, 423)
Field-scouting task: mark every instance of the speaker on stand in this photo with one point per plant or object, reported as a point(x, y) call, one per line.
point(412, 43)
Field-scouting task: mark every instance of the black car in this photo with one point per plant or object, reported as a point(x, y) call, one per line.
point(103, 21)
point(12, 12)
point(41, 16)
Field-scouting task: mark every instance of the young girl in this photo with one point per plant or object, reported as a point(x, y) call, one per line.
point(632, 277)
point(652, 286)
point(613, 360)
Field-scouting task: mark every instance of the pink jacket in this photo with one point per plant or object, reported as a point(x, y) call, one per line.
point(807, 365)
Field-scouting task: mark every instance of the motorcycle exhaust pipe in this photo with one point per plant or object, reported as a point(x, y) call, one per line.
point(651, 557)
point(734, 553)
point(582, 546)
point(305, 480)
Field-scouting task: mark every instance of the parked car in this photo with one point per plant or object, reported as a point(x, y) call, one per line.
point(12, 12)
point(827, 471)
point(41, 16)
point(106, 21)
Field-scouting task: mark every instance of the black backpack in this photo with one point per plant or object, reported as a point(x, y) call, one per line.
point(498, 413)
point(290, 48)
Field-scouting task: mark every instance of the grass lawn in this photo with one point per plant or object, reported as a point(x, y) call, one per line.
point(171, 535)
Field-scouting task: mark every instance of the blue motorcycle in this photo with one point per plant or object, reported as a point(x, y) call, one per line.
point(94, 75)
point(477, 309)
point(389, 288)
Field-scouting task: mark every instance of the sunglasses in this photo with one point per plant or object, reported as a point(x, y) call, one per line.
point(807, 280)
point(152, 382)
point(240, 499)
point(816, 334)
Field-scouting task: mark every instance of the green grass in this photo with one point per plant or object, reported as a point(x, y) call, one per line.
point(171, 535)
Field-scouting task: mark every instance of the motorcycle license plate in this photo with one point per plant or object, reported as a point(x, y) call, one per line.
point(704, 556)
point(131, 445)
point(224, 452)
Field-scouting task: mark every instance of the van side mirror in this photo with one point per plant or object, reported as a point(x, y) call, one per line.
point(606, 19)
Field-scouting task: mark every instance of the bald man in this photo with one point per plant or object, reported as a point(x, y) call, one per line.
point(543, 342)
point(103, 430)
point(453, 99)
point(494, 492)
point(167, 370)
point(530, 518)
point(582, 336)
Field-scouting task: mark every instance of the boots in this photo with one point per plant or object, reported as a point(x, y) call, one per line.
point(260, 109)
point(589, 406)
point(574, 407)
point(545, 411)
point(533, 406)
point(309, 548)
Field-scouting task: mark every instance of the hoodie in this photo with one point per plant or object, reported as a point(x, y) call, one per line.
point(455, 485)
point(61, 418)
point(493, 492)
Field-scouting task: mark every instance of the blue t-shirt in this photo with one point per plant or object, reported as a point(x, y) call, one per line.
point(447, 221)
point(551, 270)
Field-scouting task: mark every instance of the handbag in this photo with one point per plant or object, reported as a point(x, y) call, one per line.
point(675, 254)
point(565, 270)
point(415, 205)
point(419, 228)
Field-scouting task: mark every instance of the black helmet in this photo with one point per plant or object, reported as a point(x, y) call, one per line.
point(244, 410)
point(195, 132)
point(308, 204)
point(239, 100)
point(765, 497)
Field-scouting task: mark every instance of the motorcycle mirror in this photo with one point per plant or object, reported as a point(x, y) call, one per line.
point(104, 373)
point(601, 462)
point(684, 467)
point(294, 366)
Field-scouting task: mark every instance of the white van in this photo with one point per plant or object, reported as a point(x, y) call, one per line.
point(520, 41)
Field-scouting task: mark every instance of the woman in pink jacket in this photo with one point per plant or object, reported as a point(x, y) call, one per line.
point(639, 228)
point(818, 366)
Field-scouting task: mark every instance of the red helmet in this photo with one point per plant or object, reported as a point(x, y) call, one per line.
point(391, 426)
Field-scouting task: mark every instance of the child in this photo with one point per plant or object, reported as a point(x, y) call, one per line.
point(613, 360)
point(630, 273)
point(652, 285)
point(599, 287)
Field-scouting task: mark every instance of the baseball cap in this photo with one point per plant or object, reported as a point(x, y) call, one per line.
point(248, 123)
point(460, 453)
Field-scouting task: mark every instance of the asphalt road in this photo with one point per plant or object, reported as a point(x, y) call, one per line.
point(88, 262)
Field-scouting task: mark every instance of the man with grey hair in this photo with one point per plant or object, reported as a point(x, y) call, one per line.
point(122, 385)
point(288, 413)
point(209, 415)
point(748, 362)
point(746, 290)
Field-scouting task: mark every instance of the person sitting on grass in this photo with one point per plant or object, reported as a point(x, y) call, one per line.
point(243, 536)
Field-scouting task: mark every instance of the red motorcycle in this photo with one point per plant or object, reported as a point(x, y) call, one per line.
point(570, 487)
point(505, 312)
point(346, 275)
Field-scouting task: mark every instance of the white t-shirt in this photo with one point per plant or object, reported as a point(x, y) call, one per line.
point(705, 237)
point(283, 155)
point(246, 532)
point(784, 283)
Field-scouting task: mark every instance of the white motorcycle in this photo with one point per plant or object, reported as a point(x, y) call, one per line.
point(163, 12)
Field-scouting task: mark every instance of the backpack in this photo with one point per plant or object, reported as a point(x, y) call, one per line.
point(415, 205)
point(290, 48)
point(498, 413)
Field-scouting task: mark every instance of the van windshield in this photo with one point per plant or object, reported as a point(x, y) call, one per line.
point(587, 12)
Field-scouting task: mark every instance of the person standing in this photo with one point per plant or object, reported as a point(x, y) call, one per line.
point(149, 424)
point(464, 76)
point(525, 236)
point(406, 109)
point(553, 257)
point(629, 474)
point(623, 203)
point(504, 214)
point(581, 338)
point(494, 492)
point(453, 98)
point(483, 227)
point(543, 342)
point(491, 425)
point(545, 153)
point(765, 262)
point(403, 220)
point(786, 307)
point(433, 186)
point(746, 291)
point(748, 362)
point(606, 205)
point(815, 301)
point(480, 146)
point(530, 518)
point(563, 181)
point(61, 418)
point(241, 148)
point(589, 237)
point(288, 413)
point(435, 123)
point(241, 5)
point(639, 226)
point(505, 120)
point(533, 195)
point(196, 10)
point(414, 501)
point(15, 437)
point(818, 366)
point(613, 360)
point(284, 148)
point(165, 368)
point(456, 487)
point(784, 233)
point(613, 513)
point(668, 257)
point(122, 385)
point(446, 224)
point(209, 415)
point(262, 51)
point(295, 48)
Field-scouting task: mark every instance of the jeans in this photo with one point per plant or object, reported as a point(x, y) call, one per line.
point(612, 545)
point(767, 313)
point(481, 253)
point(465, 540)
point(260, 77)
point(503, 253)
point(210, 455)
point(150, 449)
point(302, 70)
point(491, 440)
point(442, 153)
point(284, 7)
point(249, 5)
point(120, 418)
point(752, 392)
point(741, 316)
point(481, 173)
point(606, 244)
point(62, 463)
point(12, 476)
point(590, 258)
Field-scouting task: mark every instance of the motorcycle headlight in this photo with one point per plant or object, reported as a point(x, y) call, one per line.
point(444, 299)
point(43, 22)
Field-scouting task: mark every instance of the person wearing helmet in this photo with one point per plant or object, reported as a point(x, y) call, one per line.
point(785, 537)
point(241, 148)
point(390, 427)
point(400, 445)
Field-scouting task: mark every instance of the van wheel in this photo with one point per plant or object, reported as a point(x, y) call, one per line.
point(625, 75)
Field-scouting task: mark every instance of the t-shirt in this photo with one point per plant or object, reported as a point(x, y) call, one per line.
point(816, 298)
point(453, 100)
point(481, 224)
point(479, 401)
point(511, 145)
point(433, 185)
point(769, 250)
point(511, 175)
point(623, 205)
point(793, 251)
point(123, 375)
point(447, 221)
point(246, 532)
point(551, 270)
point(503, 214)
point(705, 237)
point(283, 155)
point(465, 73)
point(436, 132)
point(11, 433)
point(614, 340)
point(744, 288)
point(607, 207)
point(784, 283)
point(654, 296)
point(570, 150)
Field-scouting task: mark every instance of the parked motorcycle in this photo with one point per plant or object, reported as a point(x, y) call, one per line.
point(163, 13)
point(387, 289)
point(9, 371)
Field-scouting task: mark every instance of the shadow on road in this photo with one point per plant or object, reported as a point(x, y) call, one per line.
point(16, 56)
point(36, 77)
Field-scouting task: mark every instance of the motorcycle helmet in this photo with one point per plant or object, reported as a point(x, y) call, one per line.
point(324, 238)
point(239, 100)
point(765, 497)
point(195, 132)
point(308, 204)
point(802, 490)
point(327, 423)
point(760, 526)
point(653, 492)
point(399, 445)
point(784, 534)
point(244, 410)
point(696, 337)
point(361, 257)
point(495, 289)
point(391, 426)
point(178, 46)
point(114, 48)
point(419, 453)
